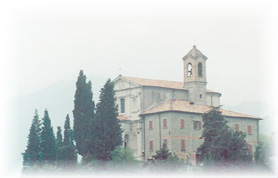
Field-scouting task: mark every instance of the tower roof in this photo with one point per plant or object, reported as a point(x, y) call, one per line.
point(194, 53)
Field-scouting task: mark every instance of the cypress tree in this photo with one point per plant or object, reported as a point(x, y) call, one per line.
point(66, 154)
point(83, 113)
point(59, 137)
point(48, 146)
point(31, 156)
point(107, 133)
point(67, 129)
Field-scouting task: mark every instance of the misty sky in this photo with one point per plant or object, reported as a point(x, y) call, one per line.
point(48, 42)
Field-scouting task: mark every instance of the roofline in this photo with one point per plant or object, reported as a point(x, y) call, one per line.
point(164, 87)
point(142, 114)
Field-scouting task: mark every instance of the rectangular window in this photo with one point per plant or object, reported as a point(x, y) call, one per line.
point(150, 124)
point(250, 149)
point(197, 125)
point(165, 142)
point(249, 130)
point(164, 123)
point(182, 123)
point(122, 105)
point(182, 145)
point(237, 127)
point(151, 145)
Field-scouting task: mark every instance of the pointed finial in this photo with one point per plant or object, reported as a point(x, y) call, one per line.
point(194, 46)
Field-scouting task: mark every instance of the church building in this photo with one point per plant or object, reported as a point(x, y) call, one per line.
point(154, 112)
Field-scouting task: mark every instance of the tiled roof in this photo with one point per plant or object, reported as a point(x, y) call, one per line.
point(121, 117)
point(184, 106)
point(158, 83)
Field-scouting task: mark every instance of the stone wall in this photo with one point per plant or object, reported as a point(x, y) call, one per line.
point(174, 133)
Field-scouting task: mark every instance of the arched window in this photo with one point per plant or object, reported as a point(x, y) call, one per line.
point(200, 68)
point(189, 70)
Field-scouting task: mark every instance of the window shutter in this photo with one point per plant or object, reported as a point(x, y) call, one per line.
point(182, 144)
point(164, 123)
point(200, 125)
point(182, 123)
point(194, 124)
point(151, 145)
point(150, 124)
point(249, 129)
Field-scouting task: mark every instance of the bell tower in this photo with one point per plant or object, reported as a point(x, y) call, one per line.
point(195, 75)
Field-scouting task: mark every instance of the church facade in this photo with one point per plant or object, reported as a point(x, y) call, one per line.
point(154, 112)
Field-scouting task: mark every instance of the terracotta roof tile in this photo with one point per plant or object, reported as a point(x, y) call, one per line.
point(184, 106)
point(121, 117)
point(158, 83)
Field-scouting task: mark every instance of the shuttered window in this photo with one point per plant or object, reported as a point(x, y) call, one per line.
point(164, 123)
point(249, 129)
point(182, 145)
point(197, 125)
point(150, 124)
point(151, 145)
point(182, 123)
point(237, 127)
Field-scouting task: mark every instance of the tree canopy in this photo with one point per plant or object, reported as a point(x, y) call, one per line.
point(48, 143)
point(220, 142)
point(83, 114)
point(107, 133)
point(32, 154)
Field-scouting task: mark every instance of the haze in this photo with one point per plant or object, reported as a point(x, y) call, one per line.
point(46, 44)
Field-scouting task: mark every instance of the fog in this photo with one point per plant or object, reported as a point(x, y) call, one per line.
point(45, 44)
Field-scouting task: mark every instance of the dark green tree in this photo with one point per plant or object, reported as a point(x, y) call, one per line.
point(166, 161)
point(68, 139)
point(83, 113)
point(48, 145)
point(59, 137)
point(162, 154)
point(221, 144)
point(31, 156)
point(66, 154)
point(123, 159)
point(107, 133)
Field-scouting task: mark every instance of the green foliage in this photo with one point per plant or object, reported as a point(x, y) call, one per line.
point(167, 161)
point(66, 152)
point(263, 150)
point(83, 114)
point(68, 139)
point(162, 154)
point(66, 156)
point(59, 137)
point(31, 156)
point(48, 145)
point(220, 143)
point(122, 158)
point(107, 133)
